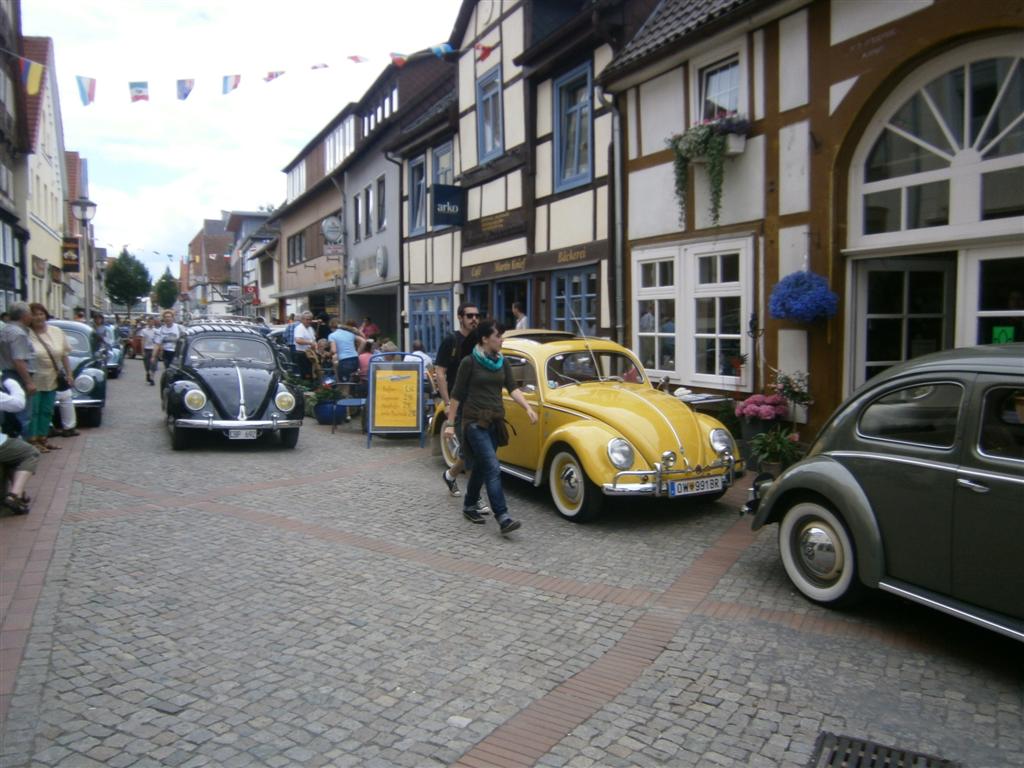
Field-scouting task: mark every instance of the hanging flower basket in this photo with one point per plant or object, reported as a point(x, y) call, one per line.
point(709, 143)
point(804, 297)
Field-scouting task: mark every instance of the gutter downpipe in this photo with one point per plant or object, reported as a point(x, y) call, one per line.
point(618, 256)
point(403, 289)
point(343, 269)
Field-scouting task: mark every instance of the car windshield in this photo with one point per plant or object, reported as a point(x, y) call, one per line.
point(579, 367)
point(78, 342)
point(225, 348)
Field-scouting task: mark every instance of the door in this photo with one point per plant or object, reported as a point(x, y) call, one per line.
point(523, 449)
point(508, 292)
point(480, 296)
point(988, 518)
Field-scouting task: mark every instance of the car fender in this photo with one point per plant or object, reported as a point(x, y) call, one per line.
point(589, 440)
point(828, 478)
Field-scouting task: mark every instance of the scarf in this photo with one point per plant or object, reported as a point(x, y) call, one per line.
point(490, 363)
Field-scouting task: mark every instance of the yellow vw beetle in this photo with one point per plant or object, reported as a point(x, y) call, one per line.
point(603, 430)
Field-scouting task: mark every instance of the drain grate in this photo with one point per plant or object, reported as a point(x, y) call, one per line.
point(833, 751)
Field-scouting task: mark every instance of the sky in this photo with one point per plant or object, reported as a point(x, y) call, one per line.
point(157, 168)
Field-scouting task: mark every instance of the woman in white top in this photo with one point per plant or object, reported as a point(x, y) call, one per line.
point(165, 339)
point(148, 334)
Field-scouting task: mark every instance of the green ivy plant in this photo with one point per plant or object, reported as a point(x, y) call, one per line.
point(707, 140)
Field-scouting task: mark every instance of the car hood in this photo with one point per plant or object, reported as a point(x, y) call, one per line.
point(220, 379)
point(653, 421)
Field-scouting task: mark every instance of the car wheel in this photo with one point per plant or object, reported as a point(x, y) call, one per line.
point(289, 437)
point(89, 417)
point(449, 447)
point(818, 555)
point(179, 436)
point(575, 496)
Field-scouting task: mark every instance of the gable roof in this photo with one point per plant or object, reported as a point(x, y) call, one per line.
point(38, 49)
point(669, 25)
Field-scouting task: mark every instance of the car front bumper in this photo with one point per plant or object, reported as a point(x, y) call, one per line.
point(87, 402)
point(655, 482)
point(211, 424)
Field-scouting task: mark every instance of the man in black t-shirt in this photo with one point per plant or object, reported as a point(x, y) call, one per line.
point(453, 348)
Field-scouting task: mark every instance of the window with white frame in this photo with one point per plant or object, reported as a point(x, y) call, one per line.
point(297, 181)
point(573, 128)
point(490, 141)
point(417, 196)
point(720, 89)
point(656, 311)
point(297, 249)
point(382, 211)
point(357, 218)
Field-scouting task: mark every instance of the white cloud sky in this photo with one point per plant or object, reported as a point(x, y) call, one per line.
point(158, 168)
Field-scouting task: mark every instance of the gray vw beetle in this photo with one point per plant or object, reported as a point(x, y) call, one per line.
point(914, 486)
point(88, 364)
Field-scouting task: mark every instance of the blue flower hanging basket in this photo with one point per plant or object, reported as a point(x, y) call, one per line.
point(804, 297)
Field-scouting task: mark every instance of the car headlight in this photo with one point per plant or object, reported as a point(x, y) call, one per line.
point(721, 441)
point(195, 399)
point(620, 453)
point(284, 401)
point(84, 383)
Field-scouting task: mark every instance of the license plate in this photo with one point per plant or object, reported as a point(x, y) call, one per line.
point(695, 486)
point(241, 434)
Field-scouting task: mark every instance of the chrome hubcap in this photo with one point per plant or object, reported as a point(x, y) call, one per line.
point(570, 483)
point(818, 553)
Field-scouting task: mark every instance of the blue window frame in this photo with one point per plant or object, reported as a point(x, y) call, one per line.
point(573, 128)
point(489, 125)
point(480, 296)
point(417, 197)
point(443, 171)
point(574, 295)
point(430, 319)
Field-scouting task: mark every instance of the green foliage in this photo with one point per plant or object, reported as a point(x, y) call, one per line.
point(127, 280)
point(166, 290)
point(707, 140)
point(780, 445)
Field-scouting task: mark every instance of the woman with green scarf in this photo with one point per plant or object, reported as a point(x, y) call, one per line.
point(477, 392)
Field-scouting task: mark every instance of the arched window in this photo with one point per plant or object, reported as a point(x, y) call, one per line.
point(944, 156)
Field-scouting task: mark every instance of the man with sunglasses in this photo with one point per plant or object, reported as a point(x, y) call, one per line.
point(453, 348)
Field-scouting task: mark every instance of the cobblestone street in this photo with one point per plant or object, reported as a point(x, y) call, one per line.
point(246, 605)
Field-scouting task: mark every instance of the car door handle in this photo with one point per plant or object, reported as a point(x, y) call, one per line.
point(976, 487)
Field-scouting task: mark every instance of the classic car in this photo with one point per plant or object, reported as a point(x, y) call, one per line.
point(914, 486)
point(225, 377)
point(113, 358)
point(89, 388)
point(603, 429)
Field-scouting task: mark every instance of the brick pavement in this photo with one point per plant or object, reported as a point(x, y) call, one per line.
point(244, 605)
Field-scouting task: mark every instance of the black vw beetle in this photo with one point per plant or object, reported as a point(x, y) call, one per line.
point(226, 378)
point(88, 364)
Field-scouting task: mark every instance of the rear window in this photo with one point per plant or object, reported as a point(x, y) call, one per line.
point(1002, 424)
point(925, 414)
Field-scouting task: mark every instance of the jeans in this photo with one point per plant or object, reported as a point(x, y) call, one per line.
point(483, 443)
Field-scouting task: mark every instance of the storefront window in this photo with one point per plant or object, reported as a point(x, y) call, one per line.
point(1001, 301)
point(574, 301)
point(430, 319)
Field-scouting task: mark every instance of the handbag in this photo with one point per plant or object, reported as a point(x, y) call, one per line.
point(62, 380)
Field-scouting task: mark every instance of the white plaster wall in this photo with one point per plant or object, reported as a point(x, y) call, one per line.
point(417, 262)
point(443, 257)
point(473, 203)
point(601, 232)
point(793, 247)
point(467, 139)
point(542, 181)
point(492, 197)
point(602, 57)
point(794, 175)
point(742, 191)
point(515, 116)
point(456, 255)
point(793, 357)
point(837, 92)
point(495, 252)
point(652, 202)
point(661, 104)
point(544, 126)
point(758, 74)
point(602, 139)
point(850, 18)
point(511, 43)
point(540, 239)
point(631, 131)
point(572, 220)
point(467, 80)
point(793, 61)
point(514, 190)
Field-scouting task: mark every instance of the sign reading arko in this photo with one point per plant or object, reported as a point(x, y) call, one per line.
point(449, 206)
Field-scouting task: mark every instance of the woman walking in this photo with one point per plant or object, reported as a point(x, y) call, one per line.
point(52, 366)
point(477, 395)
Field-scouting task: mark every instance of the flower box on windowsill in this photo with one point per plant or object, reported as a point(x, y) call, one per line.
point(735, 143)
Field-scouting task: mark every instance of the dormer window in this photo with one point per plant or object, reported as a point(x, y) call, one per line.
point(720, 89)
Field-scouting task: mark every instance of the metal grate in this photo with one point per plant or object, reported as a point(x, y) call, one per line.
point(832, 751)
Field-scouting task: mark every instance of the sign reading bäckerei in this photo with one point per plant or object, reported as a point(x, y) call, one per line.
point(449, 206)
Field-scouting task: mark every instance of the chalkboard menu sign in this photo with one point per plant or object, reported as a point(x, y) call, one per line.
point(395, 396)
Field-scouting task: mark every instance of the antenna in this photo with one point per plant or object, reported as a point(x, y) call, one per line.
point(586, 342)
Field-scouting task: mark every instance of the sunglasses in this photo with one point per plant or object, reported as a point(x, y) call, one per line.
point(471, 314)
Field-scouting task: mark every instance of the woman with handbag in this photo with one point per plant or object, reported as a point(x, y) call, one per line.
point(53, 372)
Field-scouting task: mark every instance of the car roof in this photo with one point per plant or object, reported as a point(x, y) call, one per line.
point(72, 325)
point(1002, 358)
point(244, 329)
point(542, 344)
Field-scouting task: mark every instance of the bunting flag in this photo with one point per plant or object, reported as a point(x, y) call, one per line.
point(358, 59)
point(273, 75)
point(441, 50)
point(319, 66)
point(31, 75)
point(399, 59)
point(227, 255)
point(185, 88)
point(484, 51)
point(86, 89)
point(139, 90)
point(231, 82)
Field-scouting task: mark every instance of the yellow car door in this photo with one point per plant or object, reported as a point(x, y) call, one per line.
point(523, 449)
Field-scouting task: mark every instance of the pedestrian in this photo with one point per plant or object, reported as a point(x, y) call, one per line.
point(345, 343)
point(53, 372)
point(453, 348)
point(477, 392)
point(103, 329)
point(80, 314)
point(148, 334)
point(17, 359)
point(165, 339)
point(17, 457)
point(305, 339)
point(522, 321)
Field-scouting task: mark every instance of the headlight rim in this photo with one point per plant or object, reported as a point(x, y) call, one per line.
point(287, 394)
point(189, 393)
point(729, 443)
point(84, 377)
point(626, 459)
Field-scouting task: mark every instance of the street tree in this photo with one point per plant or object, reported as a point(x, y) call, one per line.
point(127, 280)
point(166, 290)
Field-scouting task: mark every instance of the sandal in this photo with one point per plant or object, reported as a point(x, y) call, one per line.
point(48, 446)
point(15, 504)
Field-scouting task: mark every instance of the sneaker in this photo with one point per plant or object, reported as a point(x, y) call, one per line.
point(453, 484)
point(508, 525)
point(473, 516)
point(482, 508)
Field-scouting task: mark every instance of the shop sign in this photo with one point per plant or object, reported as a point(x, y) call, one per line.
point(563, 258)
point(449, 205)
point(251, 293)
point(38, 267)
point(500, 226)
point(56, 275)
point(334, 249)
point(70, 254)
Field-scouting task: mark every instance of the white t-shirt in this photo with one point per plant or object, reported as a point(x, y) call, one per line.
point(167, 336)
point(302, 332)
point(147, 334)
point(427, 362)
point(521, 323)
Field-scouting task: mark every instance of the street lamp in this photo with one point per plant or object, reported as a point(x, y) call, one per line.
point(83, 209)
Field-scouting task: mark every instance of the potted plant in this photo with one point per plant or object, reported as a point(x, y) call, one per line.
point(776, 449)
point(320, 403)
point(759, 412)
point(710, 142)
point(804, 297)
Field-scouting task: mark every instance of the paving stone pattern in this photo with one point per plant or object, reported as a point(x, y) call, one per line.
point(245, 605)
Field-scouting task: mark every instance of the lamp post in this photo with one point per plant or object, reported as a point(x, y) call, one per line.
point(83, 209)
